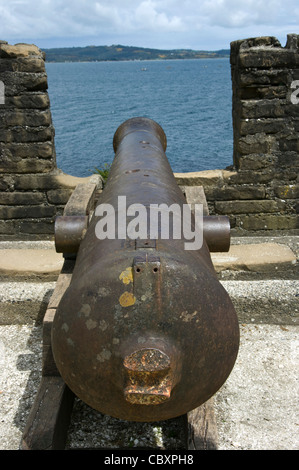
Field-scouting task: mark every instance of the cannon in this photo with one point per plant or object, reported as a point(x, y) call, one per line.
point(145, 331)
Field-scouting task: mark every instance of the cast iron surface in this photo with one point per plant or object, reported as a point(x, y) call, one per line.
point(145, 331)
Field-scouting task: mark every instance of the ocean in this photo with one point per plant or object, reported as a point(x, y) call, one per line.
point(190, 99)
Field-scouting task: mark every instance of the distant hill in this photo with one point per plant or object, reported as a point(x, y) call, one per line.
point(119, 52)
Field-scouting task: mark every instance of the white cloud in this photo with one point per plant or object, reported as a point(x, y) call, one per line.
point(236, 13)
point(147, 15)
point(58, 17)
point(156, 23)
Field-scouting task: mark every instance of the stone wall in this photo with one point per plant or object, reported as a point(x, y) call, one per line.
point(260, 192)
point(32, 190)
point(266, 126)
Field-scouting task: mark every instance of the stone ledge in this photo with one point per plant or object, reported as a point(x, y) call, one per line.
point(30, 263)
point(35, 260)
point(20, 50)
point(54, 180)
point(203, 178)
point(262, 257)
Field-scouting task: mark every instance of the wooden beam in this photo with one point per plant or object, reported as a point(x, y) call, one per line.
point(195, 195)
point(202, 428)
point(49, 417)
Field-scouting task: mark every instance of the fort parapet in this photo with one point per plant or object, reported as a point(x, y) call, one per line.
point(32, 190)
point(259, 192)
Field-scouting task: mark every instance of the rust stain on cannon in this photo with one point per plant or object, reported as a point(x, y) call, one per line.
point(145, 331)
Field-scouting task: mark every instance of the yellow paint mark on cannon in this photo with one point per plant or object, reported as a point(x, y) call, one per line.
point(127, 299)
point(127, 275)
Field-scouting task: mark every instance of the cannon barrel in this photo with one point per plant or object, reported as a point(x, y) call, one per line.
point(145, 331)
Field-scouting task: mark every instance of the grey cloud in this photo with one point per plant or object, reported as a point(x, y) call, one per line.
point(159, 22)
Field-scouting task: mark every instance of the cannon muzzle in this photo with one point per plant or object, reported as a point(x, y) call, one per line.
point(145, 331)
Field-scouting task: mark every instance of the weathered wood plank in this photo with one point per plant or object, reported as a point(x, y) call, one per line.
point(202, 428)
point(49, 367)
point(47, 325)
point(49, 417)
point(48, 364)
point(61, 286)
point(82, 199)
point(196, 195)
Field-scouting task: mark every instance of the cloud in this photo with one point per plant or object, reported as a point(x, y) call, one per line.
point(237, 14)
point(147, 16)
point(155, 23)
point(58, 17)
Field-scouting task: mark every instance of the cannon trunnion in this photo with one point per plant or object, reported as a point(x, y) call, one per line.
point(145, 331)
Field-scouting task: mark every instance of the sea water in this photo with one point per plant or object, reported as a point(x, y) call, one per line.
point(190, 99)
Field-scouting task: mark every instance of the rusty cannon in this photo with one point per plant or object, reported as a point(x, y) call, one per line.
point(145, 331)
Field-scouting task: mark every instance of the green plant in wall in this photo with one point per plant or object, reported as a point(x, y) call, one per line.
point(103, 171)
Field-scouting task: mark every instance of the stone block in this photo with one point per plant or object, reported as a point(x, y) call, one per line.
point(269, 222)
point(32, 65)
point(6, 182)
point(256, 143)
point(261, 125)
point(26, 134)
point(293, 42)
point(248, 206)
point(20, 82)
point(257, 161)
point(288, 160)
point(22, 64)
point(31, 262)
point(22, 229)
point(288, 191)
point(36, 100)
point(36, 227)
point(59, 196)
point(26, 165)
point(4, 186)
point(199, 178)
point(20, 50)
point(259, 42)
point(263, 92)
point(289, 145)
point(26, 118)
point(229, 193)
point(254, 109)
point(285, 176)
point(22, 198)
point(7, 227)
point(54, 180)
point(274, 57)
point(14, 150)
point(242, 46)
point(26, 212)
point(260, 257)
point(267, 77)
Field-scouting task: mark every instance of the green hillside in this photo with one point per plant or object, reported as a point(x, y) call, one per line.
point(119, 52)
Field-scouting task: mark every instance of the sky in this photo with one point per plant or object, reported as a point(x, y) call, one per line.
point(160, 24)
